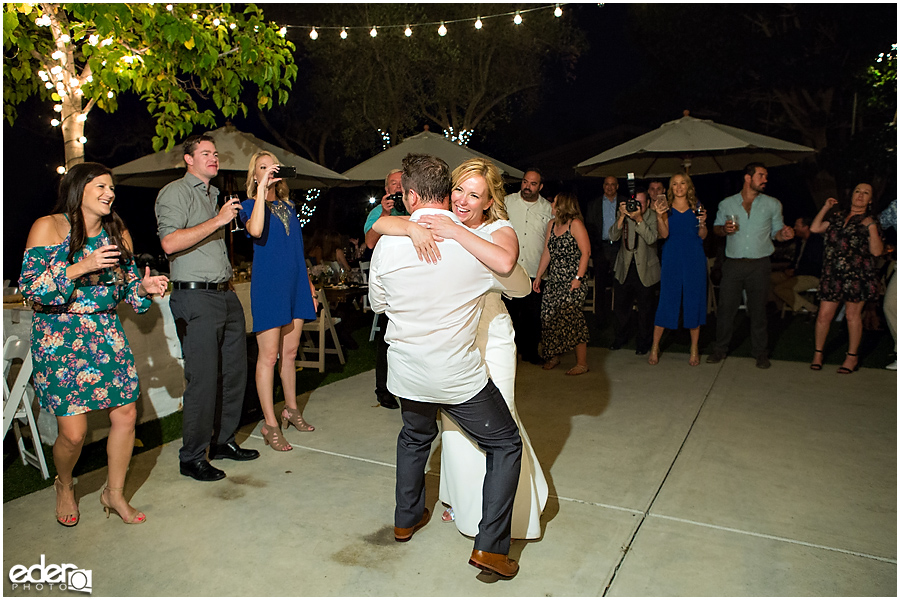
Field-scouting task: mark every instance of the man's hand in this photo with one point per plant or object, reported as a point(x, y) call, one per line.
point(786, 233)
point(228, 212)
point(386, 204)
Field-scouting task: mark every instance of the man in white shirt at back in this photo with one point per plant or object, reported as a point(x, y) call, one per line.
point(529, 213)
point(433, 312)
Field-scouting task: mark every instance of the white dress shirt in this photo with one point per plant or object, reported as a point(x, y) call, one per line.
point(433, 313)
point(529, 220)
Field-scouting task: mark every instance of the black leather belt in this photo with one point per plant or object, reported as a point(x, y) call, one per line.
point(202, 285)
point(60, 309)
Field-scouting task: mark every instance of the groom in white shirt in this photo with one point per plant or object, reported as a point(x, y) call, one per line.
point(433, 312)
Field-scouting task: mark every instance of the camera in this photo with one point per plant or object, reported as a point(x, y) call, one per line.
point(285, 172)
point(398, 202)
point(632, 205)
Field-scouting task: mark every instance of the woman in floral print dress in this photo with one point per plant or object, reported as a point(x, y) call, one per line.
point(78, 266)
point(852, 243)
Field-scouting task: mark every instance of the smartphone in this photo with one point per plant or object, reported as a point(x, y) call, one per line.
point(285, 172)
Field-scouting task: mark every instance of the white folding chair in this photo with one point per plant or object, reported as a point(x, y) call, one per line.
point(18, 400)
point(315, 344)
point(364, 267)
point(590, 298)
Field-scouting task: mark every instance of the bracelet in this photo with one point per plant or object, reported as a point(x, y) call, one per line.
point(870, 224)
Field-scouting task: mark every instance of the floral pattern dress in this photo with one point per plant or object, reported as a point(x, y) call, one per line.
point(563, 325)
point(82, 360)
point(849, 271)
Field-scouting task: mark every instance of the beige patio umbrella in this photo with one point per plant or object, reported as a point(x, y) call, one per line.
point(376, 168)
point(235, 150)
point(699, 146)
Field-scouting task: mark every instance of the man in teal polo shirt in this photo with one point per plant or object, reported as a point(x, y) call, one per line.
point(385, 208)
point(749, 221)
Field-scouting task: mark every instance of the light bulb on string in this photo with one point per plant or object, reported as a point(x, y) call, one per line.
point(48, 85)
point(216, 22)
point(43, 75)
point(343, 33)
point(517, 19)
point(442, 30)
point(408, 32)
point(61, 170)
point(57, 55)
point(57, 108)
point(64, 38)
point(374, 32)
point(56, 70)
point(478, 23)
point(558, 12)
point(54, 122)
point(81, 118)
point(313, 35)
point(82, 139)
point(109, 94)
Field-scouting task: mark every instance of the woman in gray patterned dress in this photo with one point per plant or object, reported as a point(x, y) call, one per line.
point(567, 250)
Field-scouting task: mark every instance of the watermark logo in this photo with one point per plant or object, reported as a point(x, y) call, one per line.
point(55, 577)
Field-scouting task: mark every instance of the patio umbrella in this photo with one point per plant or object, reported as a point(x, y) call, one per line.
point(375, 169)
point(235, 150)
point(697, 145)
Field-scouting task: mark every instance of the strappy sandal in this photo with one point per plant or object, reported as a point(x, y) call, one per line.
point(69, 519)
point(577, 370)
point(817, 366)
point(448, 516)
point(136, 518)
point(272, 437)
point(694, 361)
point(654, 355)
point(295, 418)
point(844, 370)
point(551, 364)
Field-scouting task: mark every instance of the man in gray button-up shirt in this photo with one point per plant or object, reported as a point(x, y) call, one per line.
point(208, 316)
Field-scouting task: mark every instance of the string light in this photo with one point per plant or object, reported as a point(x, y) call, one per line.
point(216, 22)
point(232, 26)
point(81, 118)
point(109, 94)
point(61, 170)
point(57, 108)
point(82, 139)
point(442, 24)
point(169, 7)
point(57, 55)
point(54, 122)
point(43, 75)
point(283, 32)
point(92, 40)
point(48, 85)
point(64, 38)
point(313, 35)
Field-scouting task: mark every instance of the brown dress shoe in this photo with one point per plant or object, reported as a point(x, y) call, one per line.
point(404, 534)
point(501, 564)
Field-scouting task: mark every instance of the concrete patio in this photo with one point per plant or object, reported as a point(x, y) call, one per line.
point(719, 480)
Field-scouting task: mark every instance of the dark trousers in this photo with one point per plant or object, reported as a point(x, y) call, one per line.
point(526, 317)
point(487, 420)
point(626, 295)
point(381, 363)
point(604, 256)
point(213, 338)
point(752, 275)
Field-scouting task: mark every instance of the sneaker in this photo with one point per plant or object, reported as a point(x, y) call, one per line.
point(716, 356)
point(762, 362)
point(892, 366)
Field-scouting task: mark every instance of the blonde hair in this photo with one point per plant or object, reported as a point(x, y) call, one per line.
point(691, 192)
point(567, 208)
point(493, 180)
point(282, 192)
point(387, 178)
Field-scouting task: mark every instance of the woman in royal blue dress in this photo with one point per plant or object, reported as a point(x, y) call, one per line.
point(682, 287)
point(282, 295)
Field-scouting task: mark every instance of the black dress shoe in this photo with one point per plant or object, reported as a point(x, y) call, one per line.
point(232, 451)
point(616, 346)
point(642, 351)
point(388, 401)
point(201, 470)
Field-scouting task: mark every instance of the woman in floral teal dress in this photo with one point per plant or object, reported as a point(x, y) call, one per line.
point(78, 266)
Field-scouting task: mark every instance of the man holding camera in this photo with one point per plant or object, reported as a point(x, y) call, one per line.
point(636, 270)
point(208, 316)
point(601, 215)
point(391, 204)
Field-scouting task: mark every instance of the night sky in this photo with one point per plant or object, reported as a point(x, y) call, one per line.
point(575, 122)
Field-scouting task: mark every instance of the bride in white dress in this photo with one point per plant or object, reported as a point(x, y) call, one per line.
point(477, 200)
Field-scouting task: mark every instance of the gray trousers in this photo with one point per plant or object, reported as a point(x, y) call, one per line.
point(487, 420)
point(752, 275)
point(213, 337)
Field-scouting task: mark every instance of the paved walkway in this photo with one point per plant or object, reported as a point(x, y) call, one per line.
point(719, 480)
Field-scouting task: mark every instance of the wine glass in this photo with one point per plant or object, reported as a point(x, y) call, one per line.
point(236, 222)
point(698, 210)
